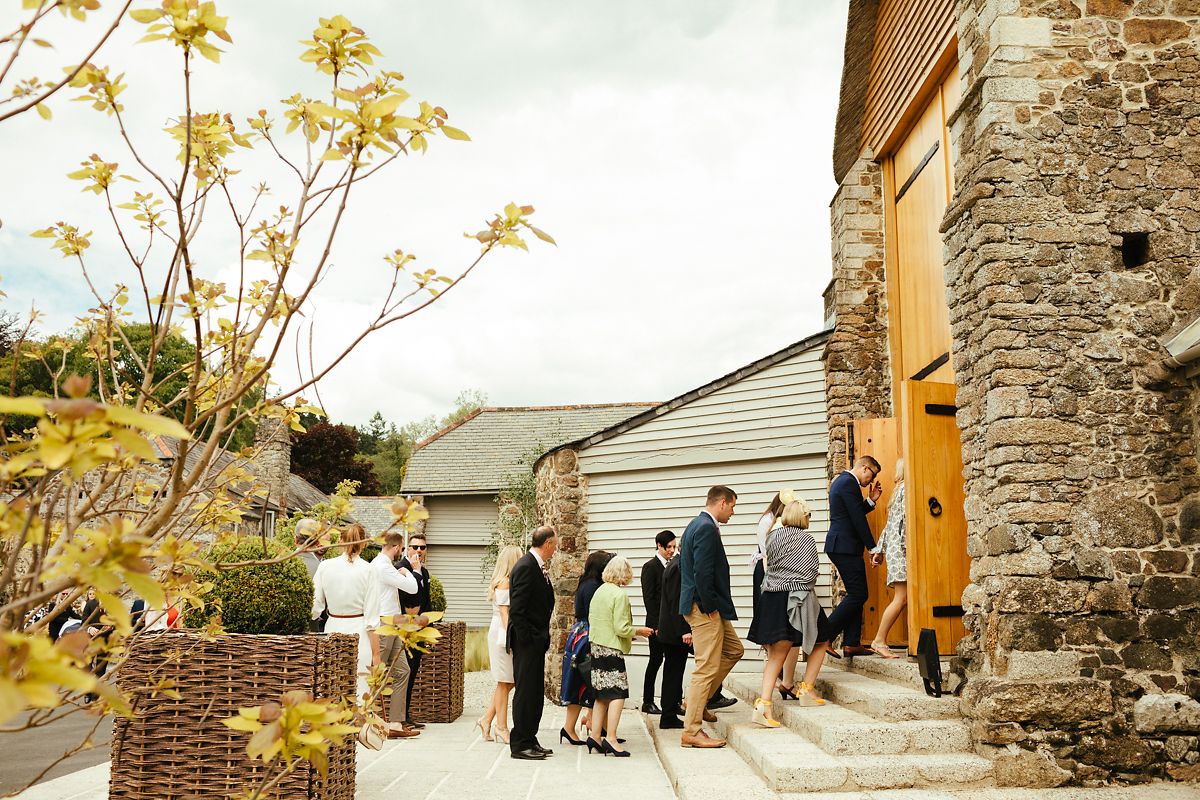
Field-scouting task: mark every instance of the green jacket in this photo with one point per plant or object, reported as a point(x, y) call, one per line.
point(610, 619)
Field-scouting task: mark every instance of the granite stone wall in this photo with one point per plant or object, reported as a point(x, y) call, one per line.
point(561, 504)
point(1071, 249)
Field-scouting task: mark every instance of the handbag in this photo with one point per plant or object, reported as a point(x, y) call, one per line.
point(373, 733)
point(582, 662)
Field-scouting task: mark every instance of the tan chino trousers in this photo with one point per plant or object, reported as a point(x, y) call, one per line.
point(718, 648)
point(391, 652)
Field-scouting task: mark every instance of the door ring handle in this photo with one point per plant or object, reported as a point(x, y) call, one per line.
point(935, 508)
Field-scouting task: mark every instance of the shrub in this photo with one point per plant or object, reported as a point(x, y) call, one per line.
point(437, 595)
point(267, 598)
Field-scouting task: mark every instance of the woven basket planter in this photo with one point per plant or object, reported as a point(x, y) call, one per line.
point(176, 749)
point(438, 692)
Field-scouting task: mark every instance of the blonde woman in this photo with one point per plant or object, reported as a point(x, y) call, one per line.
point(611, 633)
point(501, 659)
point(789, 613)
point(892, 546)
point(345, 586)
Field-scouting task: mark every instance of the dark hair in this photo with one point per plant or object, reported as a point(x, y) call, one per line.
point(721, 493)
point(776, 506)
point(418, 535)
point(870, 462)
point(664, 538)
point(542, 535)
point(593, 568)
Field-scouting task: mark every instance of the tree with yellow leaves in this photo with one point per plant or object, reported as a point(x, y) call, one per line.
point(84, 505)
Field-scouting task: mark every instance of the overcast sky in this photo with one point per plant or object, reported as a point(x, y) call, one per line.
point(678, 150)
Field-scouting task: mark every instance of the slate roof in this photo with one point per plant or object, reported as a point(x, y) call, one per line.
point(477, 454)
point(619, 427)
point(372, 513)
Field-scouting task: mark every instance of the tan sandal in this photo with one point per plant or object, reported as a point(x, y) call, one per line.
point(883, 651)
point(760, 714)
point(806, 695)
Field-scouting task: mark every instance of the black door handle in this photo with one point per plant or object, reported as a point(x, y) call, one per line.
point(935, 508)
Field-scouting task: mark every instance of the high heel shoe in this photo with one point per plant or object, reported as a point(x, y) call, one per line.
point(484, 732)
point(786, 692)
point(760, 714)
point(604, 734)
point(593, 745)
point(806, 695)
point(606, 748)
point(563, 736)
point(502, 735)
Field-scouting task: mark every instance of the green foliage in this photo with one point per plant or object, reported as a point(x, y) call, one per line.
point(437, 594)
point(263, 598)
point(331, 513)
point(517, 502)
point(476, 657)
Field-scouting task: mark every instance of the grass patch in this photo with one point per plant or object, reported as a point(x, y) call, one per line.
point(476, 657)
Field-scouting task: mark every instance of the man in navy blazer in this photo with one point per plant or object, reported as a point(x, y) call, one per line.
point(848, 536)
point(706, 602)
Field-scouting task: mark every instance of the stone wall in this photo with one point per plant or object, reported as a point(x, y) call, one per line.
point(1071, 248)
point(562, 504)
point(857, 371)
point(273, 459)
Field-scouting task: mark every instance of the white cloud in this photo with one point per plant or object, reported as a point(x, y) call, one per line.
point(678, 151)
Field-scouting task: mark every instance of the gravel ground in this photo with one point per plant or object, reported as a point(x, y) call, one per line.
point(477, 691)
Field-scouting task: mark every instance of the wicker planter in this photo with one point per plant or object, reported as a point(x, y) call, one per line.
point(179, 748)
point(438, 692)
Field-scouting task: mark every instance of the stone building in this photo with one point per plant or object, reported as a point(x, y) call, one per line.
point(1015, 292)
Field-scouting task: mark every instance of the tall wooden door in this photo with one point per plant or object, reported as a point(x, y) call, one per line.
point(938, 565)
point(879, 438)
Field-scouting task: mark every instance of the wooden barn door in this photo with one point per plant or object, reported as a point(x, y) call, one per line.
point(879, 438)
point(938, 565)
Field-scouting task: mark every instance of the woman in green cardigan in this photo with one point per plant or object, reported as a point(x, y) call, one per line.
point(611, 634)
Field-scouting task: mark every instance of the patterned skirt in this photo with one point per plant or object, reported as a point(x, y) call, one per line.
point(609, 678)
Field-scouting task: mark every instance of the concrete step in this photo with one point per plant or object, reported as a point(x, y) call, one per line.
point(883, 699)
point(903, 670)
point(842, 731)
point(790, 763)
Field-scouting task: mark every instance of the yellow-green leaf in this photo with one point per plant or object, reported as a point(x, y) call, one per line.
point(455, 133)
point(383, 106)
point(145, 15)
point(541, 234)
point(151, 423)
point(29, 406)
point(44, 111)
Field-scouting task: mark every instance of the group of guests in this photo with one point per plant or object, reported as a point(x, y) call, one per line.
point(686, 588)
point(357, 597)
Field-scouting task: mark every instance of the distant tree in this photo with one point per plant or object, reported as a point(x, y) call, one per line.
point(326, 454)
point(10, 332)
point(371, 435)
point(467, 403)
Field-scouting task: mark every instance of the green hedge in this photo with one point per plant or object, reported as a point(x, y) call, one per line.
point(437, 594)
point(270, 598)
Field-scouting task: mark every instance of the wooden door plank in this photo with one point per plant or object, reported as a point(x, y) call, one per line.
point(879, 438)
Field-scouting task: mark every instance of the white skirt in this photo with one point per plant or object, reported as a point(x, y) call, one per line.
point(356, 626)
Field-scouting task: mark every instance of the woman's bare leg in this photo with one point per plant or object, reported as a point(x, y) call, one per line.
point(776, 654)
point(500, 705)
point(613, 712)
point(891, 613)
point(789, 668)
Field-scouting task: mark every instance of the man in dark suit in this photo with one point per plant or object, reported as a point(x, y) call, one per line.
point(675, 639)
point(531, 602)
point(706, 602)
point(848, 536)
point(652, 572)
point(418, 602)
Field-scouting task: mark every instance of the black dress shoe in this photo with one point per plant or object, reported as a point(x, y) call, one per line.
point(546, 751)
point(528, 755)
point(650, 708)
point(671, 723)
point(721, 702)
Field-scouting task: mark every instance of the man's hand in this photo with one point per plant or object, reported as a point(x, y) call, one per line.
point(687, 639)
point(715, 616)
point(876, 492)
point(422, 621)
point(876, 559)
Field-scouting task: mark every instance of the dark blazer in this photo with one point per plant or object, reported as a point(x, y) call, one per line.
point(671, 625)
point(531, 602)
point(704, 570)
point(583, 598)
point(420, 598)
point(652, 572)
point(848, 532)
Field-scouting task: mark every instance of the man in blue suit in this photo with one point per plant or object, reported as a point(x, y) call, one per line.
point(848, 536)
point(706, 602)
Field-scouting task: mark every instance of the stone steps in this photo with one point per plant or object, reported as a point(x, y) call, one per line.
point(882, 699)
point(903, 670)
point(788, 762)
point(840, 730)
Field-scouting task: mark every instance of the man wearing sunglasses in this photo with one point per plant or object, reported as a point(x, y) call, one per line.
point(848, 536)
point(417, 602)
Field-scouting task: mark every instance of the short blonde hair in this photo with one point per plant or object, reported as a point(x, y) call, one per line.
point(618, 571)
point(796, 514)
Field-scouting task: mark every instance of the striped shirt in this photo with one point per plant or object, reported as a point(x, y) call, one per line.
point(792, 562)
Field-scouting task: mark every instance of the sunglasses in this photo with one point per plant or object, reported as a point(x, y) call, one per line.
point(417, 546)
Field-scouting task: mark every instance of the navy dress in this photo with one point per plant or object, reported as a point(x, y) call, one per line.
point(575, 690)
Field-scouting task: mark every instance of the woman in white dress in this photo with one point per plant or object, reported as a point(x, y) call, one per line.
point(501, 659)
point(347, 588)
point(891, 546)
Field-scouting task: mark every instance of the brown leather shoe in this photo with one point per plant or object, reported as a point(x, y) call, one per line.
point(709, 716)
point(701, 739)
point(857, 650)
point(407, 733)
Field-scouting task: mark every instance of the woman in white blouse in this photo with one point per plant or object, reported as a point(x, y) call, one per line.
point(498, 655)
point(347, 588)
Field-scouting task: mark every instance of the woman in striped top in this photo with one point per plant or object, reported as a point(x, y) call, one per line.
point(789, 613)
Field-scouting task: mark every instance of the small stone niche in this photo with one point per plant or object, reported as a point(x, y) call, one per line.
point(1135, 249)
